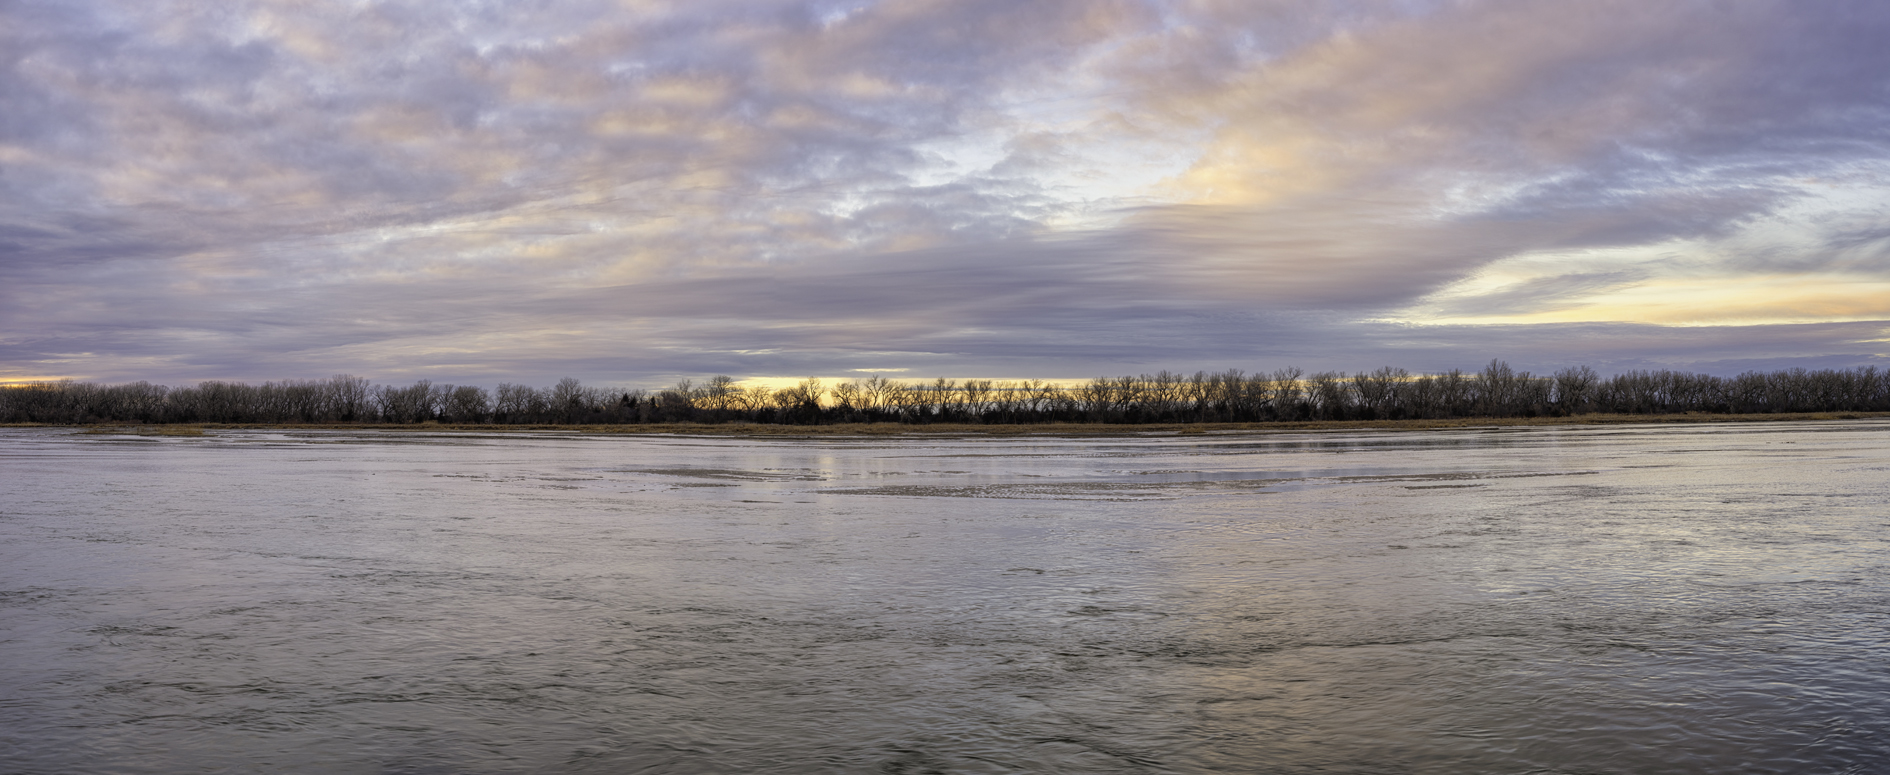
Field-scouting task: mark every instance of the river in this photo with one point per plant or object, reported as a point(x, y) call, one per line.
point(1699, 598)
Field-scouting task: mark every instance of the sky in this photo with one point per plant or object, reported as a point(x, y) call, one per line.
point(632, 191)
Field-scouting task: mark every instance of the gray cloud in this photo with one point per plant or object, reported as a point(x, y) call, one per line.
point(625, 192)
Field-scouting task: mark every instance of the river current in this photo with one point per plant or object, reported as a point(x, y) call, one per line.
point(1703, 598)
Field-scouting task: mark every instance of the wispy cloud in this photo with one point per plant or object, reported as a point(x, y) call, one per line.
point(639, 190)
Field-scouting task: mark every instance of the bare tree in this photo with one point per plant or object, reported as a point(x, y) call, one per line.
point(1378, 391)
point(467, 404)
point(1285, 392)
point(1574, 389)
point(849, 396)
point(977, 395)
point(567, 400)
point(719, 392)
point(1327, 392)
point(348, 394)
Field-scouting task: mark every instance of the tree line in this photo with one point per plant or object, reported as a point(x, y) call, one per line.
point(1163, 397)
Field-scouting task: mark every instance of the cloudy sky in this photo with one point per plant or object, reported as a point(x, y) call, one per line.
point(631, 191)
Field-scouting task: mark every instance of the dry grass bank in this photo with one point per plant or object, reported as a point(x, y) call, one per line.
point(144, 430)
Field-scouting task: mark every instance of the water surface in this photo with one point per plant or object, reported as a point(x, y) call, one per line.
point(1554, 600)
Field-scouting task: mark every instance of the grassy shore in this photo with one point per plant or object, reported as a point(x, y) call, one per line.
point(960, 430)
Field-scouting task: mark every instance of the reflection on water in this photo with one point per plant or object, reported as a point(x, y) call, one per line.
point(1671, 599)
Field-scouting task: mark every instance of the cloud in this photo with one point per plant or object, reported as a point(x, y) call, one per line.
point(631, 191)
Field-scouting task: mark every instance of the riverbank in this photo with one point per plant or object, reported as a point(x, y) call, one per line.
point(966, 430)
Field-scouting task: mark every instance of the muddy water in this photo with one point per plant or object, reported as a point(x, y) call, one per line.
point(1650, 599)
